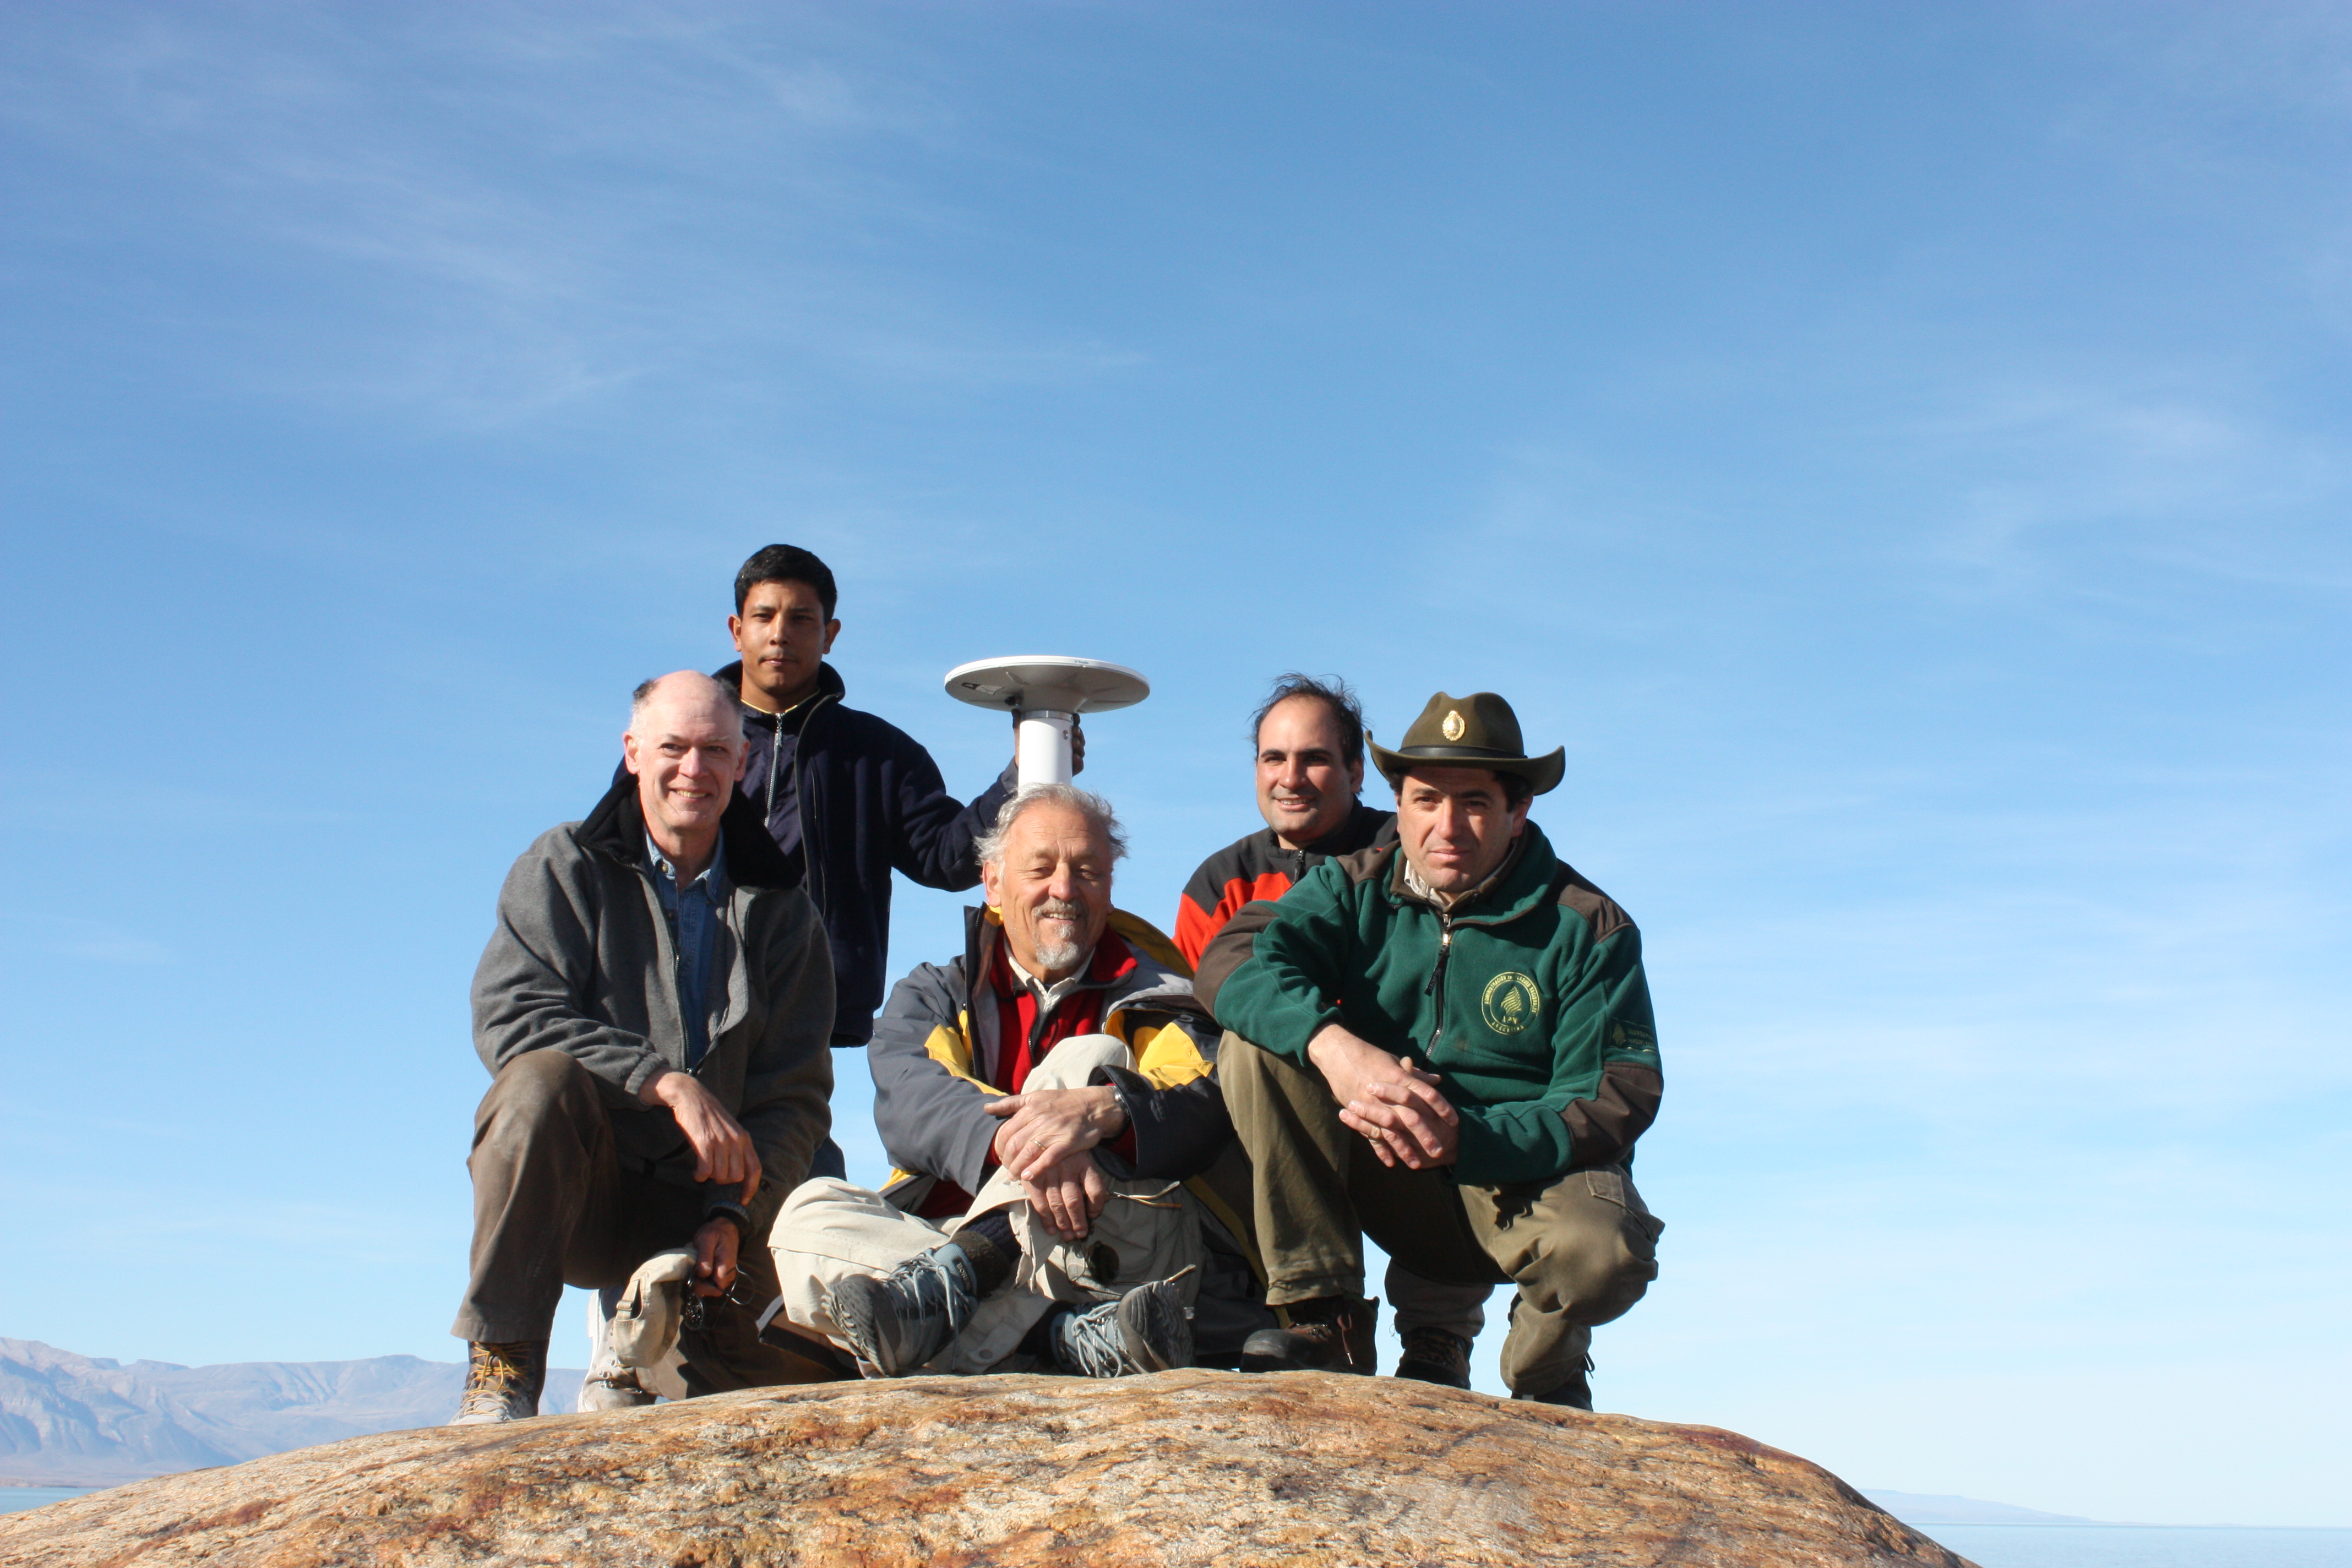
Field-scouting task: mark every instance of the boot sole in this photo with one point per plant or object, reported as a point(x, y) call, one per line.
point(1156, 1333)
point(859, 1312)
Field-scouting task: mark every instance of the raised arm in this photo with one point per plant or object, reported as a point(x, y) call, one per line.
point(932, 831)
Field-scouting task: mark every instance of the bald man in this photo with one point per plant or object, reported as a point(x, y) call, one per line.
point(653, 1006)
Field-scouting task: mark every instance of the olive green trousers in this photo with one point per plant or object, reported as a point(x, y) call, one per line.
point(1581, 1248)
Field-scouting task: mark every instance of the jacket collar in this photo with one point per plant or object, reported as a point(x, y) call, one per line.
point(829, 686)
point(616, 830)
point(1359, 832)
point(1519, 884)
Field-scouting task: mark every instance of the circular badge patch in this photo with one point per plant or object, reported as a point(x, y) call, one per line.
point(1509, 1002)
point(1454, 727)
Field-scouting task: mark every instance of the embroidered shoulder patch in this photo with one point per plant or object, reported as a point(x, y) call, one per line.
point(1627, 1036)
point(1510, 1003)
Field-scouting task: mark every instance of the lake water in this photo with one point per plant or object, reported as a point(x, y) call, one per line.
point(2142, 1546)
point(15, 1497)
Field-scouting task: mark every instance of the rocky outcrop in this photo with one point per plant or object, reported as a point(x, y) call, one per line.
point(1184, 1468)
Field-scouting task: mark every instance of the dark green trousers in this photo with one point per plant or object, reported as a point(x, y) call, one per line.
point(1581, 1249)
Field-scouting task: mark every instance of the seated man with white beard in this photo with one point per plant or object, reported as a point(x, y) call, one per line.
point(1045, 1096)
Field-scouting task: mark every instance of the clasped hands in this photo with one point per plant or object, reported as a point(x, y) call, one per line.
point(1395, 1105)
point(1046, 1143)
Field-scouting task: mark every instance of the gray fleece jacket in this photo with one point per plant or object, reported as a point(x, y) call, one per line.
point(582, 960)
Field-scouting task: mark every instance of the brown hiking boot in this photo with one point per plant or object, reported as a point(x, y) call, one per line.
point(1333, 1333)
point(502, 1383)
point(1436, 1355)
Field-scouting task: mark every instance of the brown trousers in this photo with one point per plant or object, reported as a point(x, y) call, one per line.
point(1582, 1249)
point(552, 1206)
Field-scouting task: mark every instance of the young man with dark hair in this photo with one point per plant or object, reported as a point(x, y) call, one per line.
point(1446, 1040)
point(1308, 737)
point(850, 796)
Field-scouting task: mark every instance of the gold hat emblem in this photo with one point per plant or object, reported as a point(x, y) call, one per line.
point(1454, 726)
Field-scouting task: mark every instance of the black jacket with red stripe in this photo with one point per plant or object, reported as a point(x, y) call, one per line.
point(1258, 866)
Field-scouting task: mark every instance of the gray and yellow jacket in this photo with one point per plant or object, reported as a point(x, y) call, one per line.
point(582, 960)
point(935, 1038)
point(1527, 1000)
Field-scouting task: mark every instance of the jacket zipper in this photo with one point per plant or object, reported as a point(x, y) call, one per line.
point(813, 872)
point(775, 749)
point(1436, 983)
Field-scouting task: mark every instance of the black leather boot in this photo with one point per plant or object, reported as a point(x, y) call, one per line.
point(1332, 1333)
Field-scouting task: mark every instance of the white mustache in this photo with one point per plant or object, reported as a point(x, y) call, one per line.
point(1061, 909)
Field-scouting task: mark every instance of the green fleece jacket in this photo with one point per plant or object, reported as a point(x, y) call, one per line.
point(1528, 1000)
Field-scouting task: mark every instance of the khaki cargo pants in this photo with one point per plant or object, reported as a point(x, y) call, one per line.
point(1581, 1249)
point(830, 1229)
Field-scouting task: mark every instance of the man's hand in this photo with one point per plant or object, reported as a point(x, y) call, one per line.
point(1393, 1104)
point(1068, 1194)
point(714, 1257)
point(1044, 1127)
point(722, 1149)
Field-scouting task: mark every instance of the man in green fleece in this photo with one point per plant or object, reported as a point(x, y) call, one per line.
point(1446, 1042)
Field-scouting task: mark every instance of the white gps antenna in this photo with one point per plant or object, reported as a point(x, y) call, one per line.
point(1045, 693)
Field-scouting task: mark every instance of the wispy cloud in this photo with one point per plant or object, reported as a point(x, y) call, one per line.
point(741, 192)
point(2178, 481)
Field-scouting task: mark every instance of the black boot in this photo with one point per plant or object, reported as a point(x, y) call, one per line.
point(1436, 1355)
point(1332, 1333)
point(1576, 1394)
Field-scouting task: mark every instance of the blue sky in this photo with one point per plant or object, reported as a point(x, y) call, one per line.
point(1898, 450)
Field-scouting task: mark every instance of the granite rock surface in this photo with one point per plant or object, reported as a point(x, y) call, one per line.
point(1184, 1468)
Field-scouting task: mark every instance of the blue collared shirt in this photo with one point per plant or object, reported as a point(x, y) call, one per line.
point(693, 927)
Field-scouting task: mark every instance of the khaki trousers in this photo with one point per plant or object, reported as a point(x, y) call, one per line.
point(552, 1206)
point(1581, 1249)
point(829, 1230)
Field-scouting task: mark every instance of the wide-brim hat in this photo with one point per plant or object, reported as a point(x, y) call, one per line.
point(1475, 731)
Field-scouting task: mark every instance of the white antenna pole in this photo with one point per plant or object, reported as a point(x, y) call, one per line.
point(1042, 746)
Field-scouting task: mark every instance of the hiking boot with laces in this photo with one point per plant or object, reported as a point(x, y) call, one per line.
point(1147, 1330)
point(1332, 1334)
point(1436, 1355)
point(502, 1383)
point(898, 1323)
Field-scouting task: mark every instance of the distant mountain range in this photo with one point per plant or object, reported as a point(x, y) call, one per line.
point(71, 1420)
point(1920, 1507)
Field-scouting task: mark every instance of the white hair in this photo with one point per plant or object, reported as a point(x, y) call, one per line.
point(989, 847)
point(644, 694)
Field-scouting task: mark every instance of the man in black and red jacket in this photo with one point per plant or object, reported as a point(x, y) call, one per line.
point(1309, 736)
